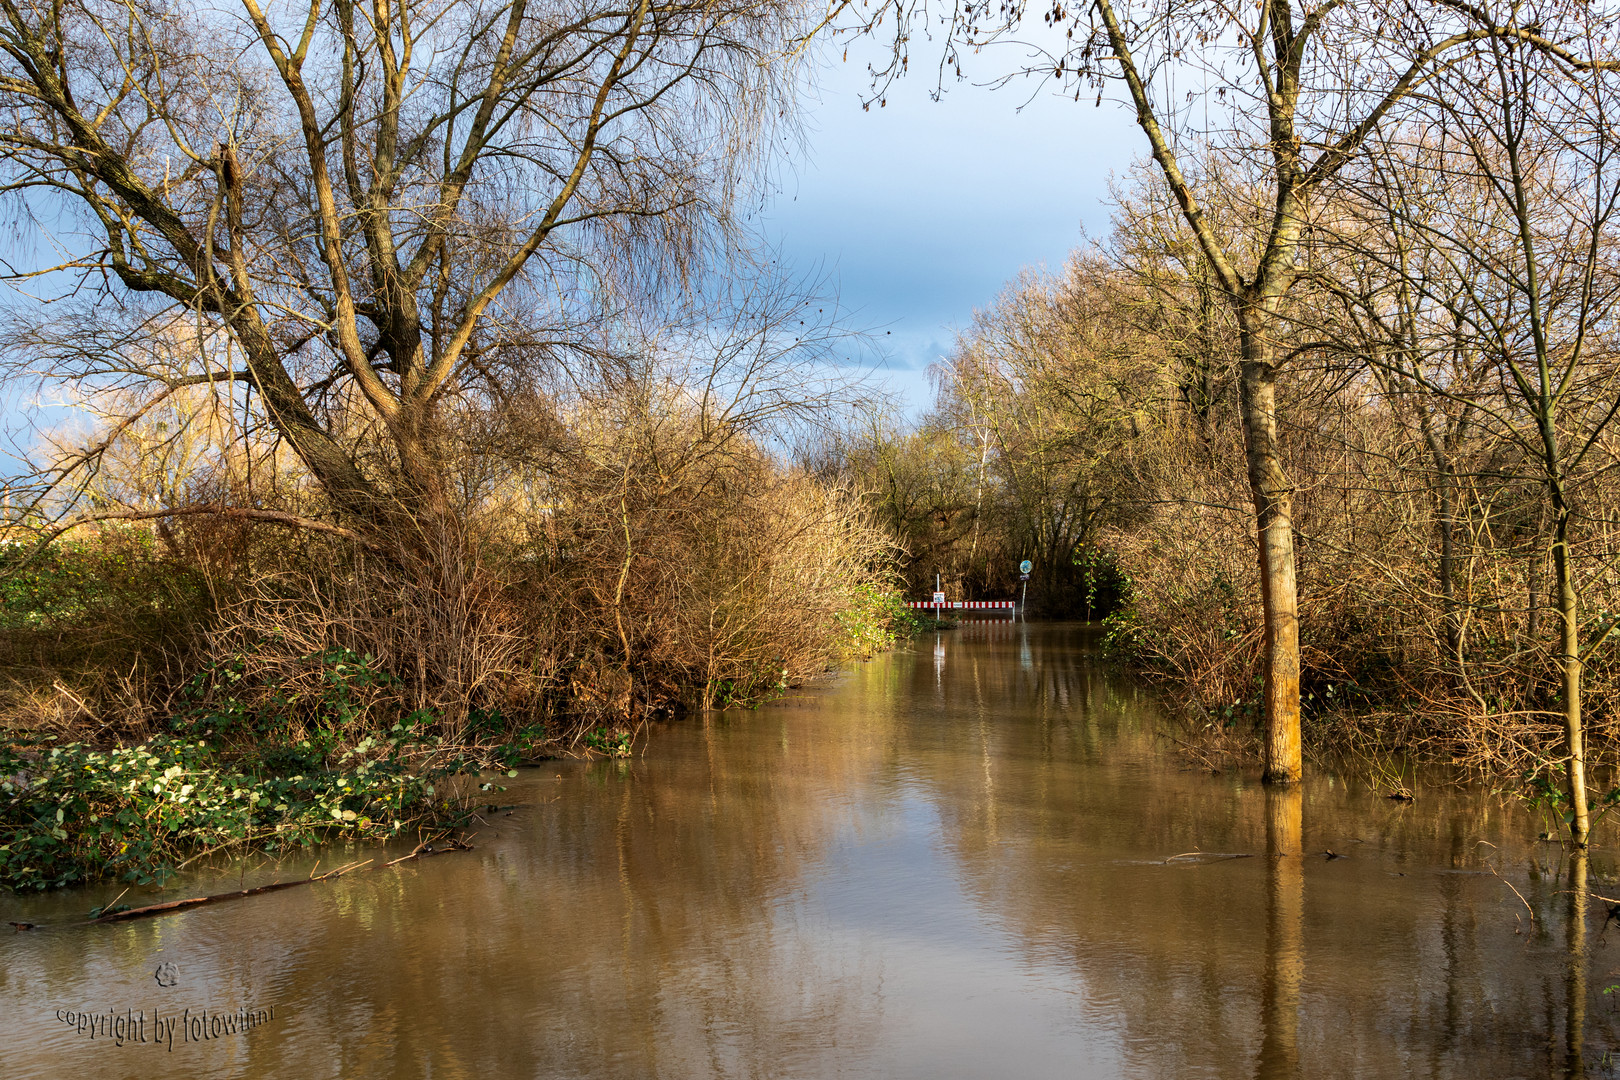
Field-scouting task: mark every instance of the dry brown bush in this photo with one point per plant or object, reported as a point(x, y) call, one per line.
point(609, 556)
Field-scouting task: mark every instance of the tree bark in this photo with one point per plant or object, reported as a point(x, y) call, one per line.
point(1569, 661)
point(1532, 620)
point(1273, 508)
point(1446, 497)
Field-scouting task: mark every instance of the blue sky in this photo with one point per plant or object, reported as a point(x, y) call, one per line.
point(921, 211)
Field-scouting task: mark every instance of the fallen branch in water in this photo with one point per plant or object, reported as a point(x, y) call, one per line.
point(421, 851)
point(1209, 856)
point(198, 901)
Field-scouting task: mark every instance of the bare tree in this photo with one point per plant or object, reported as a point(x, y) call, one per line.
point(1499, 241)
point(1057, 382)
point(1290, 93)
point(365, 212)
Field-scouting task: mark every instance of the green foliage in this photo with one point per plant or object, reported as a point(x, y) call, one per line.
point(749, 693)
point(1544, 789)
point(75, 583)
point(93, 629)
point(237, 769)
point(1103, 586)
point(72, 813)
point(326, 712)
point(927, 624)
point(614, 743)
point(502, 741)
point(873, 621)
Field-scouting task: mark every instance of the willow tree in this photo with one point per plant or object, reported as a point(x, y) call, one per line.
point(353, 215)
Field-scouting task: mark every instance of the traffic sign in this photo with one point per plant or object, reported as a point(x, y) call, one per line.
point(1025, 567)
point(939, 598)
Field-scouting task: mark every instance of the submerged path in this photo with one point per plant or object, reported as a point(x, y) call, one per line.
point(971, 858)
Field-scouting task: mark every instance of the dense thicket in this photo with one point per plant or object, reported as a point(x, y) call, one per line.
point(1090, 419)
point(1364, 210)
point(615, 553)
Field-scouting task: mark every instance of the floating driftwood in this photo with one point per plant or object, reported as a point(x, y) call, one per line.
point(198, 901)
point(1200, 857)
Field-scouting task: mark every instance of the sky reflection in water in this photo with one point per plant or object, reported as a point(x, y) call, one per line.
point(950, 862)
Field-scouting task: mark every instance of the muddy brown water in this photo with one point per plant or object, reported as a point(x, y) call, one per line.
point(954, 861)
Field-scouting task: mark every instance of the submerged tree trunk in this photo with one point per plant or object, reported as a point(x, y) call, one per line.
point(1273, 507)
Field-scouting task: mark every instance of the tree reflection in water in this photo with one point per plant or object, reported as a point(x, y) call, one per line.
point(951, 862)
point(1575, 975)
point(1285, 933)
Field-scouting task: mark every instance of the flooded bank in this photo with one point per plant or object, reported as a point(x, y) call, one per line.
point(975, 857)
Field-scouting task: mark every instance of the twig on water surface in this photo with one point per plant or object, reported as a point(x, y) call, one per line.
point(1209, 856)
point(426, 848)
point(1508, 883)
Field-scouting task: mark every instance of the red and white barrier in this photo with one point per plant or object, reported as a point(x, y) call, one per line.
point(1008, 606)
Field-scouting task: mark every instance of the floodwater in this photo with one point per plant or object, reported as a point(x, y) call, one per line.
point(969, 858)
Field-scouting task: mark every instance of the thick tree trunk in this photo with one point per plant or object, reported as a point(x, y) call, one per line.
point(1569, 661)
point(1273, 508)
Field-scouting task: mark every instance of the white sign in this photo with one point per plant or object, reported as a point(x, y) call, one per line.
point(939, 598)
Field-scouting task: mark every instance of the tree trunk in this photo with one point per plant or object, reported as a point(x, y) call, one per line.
point(1273, 508)
point(1532, 620)
point(1448, 588)
point(1448, 560)
point(1569, 661)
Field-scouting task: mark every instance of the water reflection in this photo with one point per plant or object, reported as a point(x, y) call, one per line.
point(1575, 978)
point(952, 862)
point(1285, 933)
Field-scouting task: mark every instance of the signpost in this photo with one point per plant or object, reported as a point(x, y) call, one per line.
point(1023, 574)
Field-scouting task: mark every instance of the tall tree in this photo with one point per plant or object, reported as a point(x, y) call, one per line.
point(1291, 92)
point(1504, 223)
point(364, 212)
